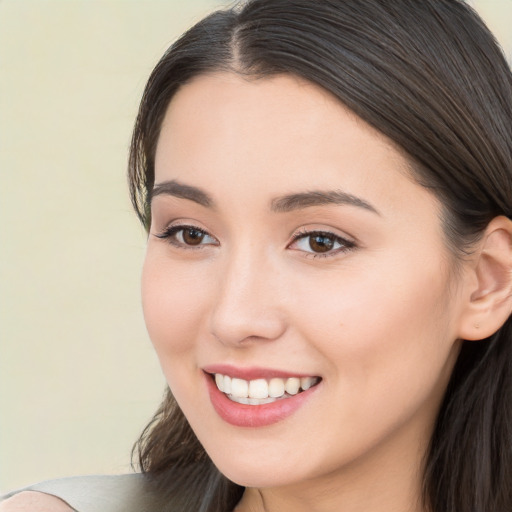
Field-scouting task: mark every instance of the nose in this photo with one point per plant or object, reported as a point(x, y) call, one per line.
point(247, 306)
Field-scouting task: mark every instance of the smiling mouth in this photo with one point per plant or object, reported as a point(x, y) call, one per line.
point(262, 391)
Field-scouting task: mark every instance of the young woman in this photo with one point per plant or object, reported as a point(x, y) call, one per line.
point(327, 189)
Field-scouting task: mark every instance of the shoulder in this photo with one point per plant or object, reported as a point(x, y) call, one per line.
point(33, 501)
point(122, 493)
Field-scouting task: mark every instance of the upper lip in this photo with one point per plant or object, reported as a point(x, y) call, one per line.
point(252, 372)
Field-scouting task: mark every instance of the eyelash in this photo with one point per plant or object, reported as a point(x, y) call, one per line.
point(170, 233)
point(303, 234)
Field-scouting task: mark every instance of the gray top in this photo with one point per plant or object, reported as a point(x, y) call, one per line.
point(120, 493)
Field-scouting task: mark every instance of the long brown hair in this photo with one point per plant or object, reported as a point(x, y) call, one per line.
point(430, 76)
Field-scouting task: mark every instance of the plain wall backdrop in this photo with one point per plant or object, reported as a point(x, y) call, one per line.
point(78, 377)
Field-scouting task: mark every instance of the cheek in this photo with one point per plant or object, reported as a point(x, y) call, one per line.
point(389, 350)
point(373, 302)
point(383, 332)
point(173, 304)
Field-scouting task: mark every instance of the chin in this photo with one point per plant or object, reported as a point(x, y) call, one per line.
point(258, 477)
point(258, 467)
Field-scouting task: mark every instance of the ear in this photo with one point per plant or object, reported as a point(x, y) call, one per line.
point(488, 296)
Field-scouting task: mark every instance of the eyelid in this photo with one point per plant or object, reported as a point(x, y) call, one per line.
point(169, 232)
point(328, 230)
point(177, 223)
point(346, 243)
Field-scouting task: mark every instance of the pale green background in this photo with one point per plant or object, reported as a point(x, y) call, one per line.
point(78, 378)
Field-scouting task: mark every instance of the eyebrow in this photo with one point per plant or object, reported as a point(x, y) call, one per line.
point(282, 204)
point(319, 198)
point(177, 189)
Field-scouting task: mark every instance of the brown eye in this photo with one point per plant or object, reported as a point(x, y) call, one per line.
point(320, 242)
point(192, 236)
point(187, 237)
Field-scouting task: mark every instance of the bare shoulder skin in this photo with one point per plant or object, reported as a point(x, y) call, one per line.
point(33, 501)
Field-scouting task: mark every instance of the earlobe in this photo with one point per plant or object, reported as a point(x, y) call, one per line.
point(489, 299)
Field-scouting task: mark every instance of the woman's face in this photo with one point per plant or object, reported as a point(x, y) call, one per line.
point(289, 247)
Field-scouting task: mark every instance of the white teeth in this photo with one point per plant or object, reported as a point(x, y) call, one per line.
point(219, 380)
point(226, 385)
point(261, 391)
point(258, 388)
point(252, 401)
point(239, 388)
point(240, 399)
point(292, 385)
point(307, 382)
point(276, 388)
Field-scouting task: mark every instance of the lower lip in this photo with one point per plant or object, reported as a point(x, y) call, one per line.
point(242, 415)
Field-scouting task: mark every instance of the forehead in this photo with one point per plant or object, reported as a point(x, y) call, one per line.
point(270, 123)
point(247, 142)
point(217, 97)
